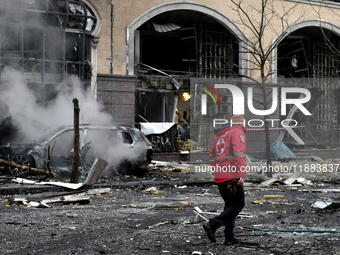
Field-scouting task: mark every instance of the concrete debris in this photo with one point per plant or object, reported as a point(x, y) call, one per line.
point(326, 205)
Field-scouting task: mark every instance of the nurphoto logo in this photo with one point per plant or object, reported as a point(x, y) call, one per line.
point(238, 103)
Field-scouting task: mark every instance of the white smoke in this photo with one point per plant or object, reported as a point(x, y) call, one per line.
point(35, 119)
point(21, 103)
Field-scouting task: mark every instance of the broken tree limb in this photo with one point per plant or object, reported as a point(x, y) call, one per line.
point(7, 179)
point(76, 148)
point(49, 154)
point(28, 169)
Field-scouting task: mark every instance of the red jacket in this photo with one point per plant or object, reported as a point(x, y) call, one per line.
point(228, 153)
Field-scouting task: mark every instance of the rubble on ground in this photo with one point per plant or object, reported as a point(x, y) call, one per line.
point(163, 212)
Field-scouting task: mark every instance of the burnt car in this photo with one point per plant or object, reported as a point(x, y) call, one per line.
point(125, 148)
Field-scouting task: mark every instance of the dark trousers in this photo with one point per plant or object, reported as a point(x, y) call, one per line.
point(233, 205)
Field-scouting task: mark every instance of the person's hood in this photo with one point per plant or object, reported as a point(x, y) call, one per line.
point(225, 127)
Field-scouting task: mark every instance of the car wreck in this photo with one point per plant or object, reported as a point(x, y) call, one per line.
point(125, 148)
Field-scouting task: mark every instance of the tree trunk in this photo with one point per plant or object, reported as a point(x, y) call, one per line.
point(76, 147)
point(266, 129)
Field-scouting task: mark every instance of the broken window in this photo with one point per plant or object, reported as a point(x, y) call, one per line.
point(311, 54)
point(187, 42)
point(179, 45)
point(47, 40)
point(127, 139)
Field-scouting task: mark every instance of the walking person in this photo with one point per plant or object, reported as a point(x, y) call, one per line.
point(227, 157)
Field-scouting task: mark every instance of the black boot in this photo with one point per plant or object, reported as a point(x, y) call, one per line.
point(230, 239)
point(210, 232)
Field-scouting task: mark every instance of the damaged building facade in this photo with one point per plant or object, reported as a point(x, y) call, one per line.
point(150, 61)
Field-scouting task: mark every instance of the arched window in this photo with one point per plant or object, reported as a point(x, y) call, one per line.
point(47, 40)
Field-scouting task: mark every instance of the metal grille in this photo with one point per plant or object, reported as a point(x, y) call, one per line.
point(325, 138)
point(216, 54)
point(325, 69)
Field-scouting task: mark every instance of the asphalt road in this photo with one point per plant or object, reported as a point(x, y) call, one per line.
point(135, 221)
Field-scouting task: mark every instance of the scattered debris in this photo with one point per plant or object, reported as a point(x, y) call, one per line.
point(28, 168)
point(249, 159)
point(197, 252)
point(269, 182)
point(154, 190)
point(130, 205)
point(161, 223)
point(260, 202)
point(295, 230)
point(292, 178)
point(200, 215)
point(273, 196)
point(160, 163)
point(199, 212)
point(326, 204)
point(36, 204)
point(316, 158)
point(93, 177)
point(175, 205)
point(60, 184)
point(96, 171)
point(304, 181)
point(42, 200)
point(321, 190)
